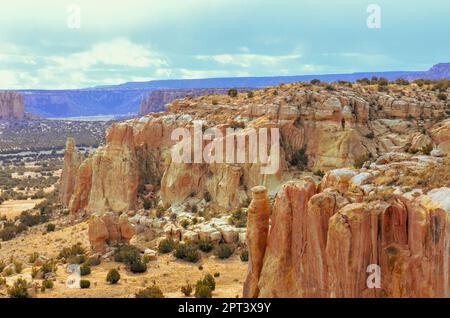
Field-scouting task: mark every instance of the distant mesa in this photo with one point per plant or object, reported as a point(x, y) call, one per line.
point(156, 101)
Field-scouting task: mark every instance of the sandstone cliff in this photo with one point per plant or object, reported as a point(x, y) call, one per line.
point(72, 161)
point(321, 127)
point(325, 239)
point(11, 106)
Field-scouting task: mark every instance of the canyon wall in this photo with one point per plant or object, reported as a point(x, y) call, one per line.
point(326, 239)
point(321, 129)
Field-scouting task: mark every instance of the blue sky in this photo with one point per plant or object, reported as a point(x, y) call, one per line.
point(139, 40)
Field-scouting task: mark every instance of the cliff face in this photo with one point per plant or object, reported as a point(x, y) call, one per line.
point(155, 101)
point(320, 129)
point(11, 106)
point(326, 240)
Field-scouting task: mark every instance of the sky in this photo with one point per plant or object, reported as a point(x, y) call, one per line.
point(62, 44)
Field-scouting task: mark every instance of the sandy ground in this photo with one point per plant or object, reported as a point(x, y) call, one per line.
point(167, 272)
point(13, 208)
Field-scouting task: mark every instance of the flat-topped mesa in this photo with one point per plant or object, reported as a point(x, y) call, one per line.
point(11, 106)
point(357, 237)
point(72, 161)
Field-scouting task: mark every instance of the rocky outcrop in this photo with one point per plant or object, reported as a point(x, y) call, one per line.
point(72, 161)
point(332, 241)
point(12, 106)
point(320, 129)
point(156, 101)
point(109, 230)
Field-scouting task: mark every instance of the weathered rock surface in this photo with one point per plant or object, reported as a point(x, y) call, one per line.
point(109, 229)
point(320, 129)
point(72, 161)
point(12, 106)
point(325, 242)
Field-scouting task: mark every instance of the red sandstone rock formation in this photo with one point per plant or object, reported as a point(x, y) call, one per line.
point(323, 244)
point(68, 179)
point(332, 128)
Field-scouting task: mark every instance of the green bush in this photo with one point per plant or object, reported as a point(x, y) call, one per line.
point(49, 267)
point(138, 267)
point(2, 265)
point(74, 250)
point(233, 92)
point(205, 245)
point(85, 270)
point(224, 250)
point(113, 276)
point(150, 292)
point(84, 284)
point(300, 159)
point(51, 227)
point(19, 289)
point(209, 281)
point(47, 284)
point(244, 256)
point(187, 252)
point(8, 233)
point(202, 290)
point(187, 290)
point(238, 218)
point(93, 261)
point(127, 254)
point(216, 274)
point(166, 246)
point(33, 257)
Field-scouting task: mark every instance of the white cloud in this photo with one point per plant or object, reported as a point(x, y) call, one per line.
point(248, 60)
point(119, 52)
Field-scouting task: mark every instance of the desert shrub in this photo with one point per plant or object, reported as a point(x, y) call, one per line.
point(19, 289)
point(363, 81)
point(205, 245)
point(76, 259)
point(33, 257)
point(47, 284)
point(49, 267)
point(93, 261)
point(238, 218)
point(187, 252)
point(150, 292)
point(166, 246)
point(233, 92)
point(215, 102)
point(315, 81)
point(84, 284)
point(127, 254)
point(51, 227)
point(113, 276)
point(2, 265)
point(202, 290)
point(216, 274)
point(383, 82)
point(7, 233)
point(300, 159)
point(250, 94)
point(138, 267)
point(185, 223)
point(187, 290)
point(30, 219)
point(85, 270)
point(18, 266)
point(370, 135)
point(224, 250)
point(209, 281)
point(244, 255)
point(34, 271)
point(74, 250)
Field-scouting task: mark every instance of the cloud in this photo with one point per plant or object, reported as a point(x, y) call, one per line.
point(248, 60)
point(118, 52)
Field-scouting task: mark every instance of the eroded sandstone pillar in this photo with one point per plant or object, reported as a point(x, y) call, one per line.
point(257, 231)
